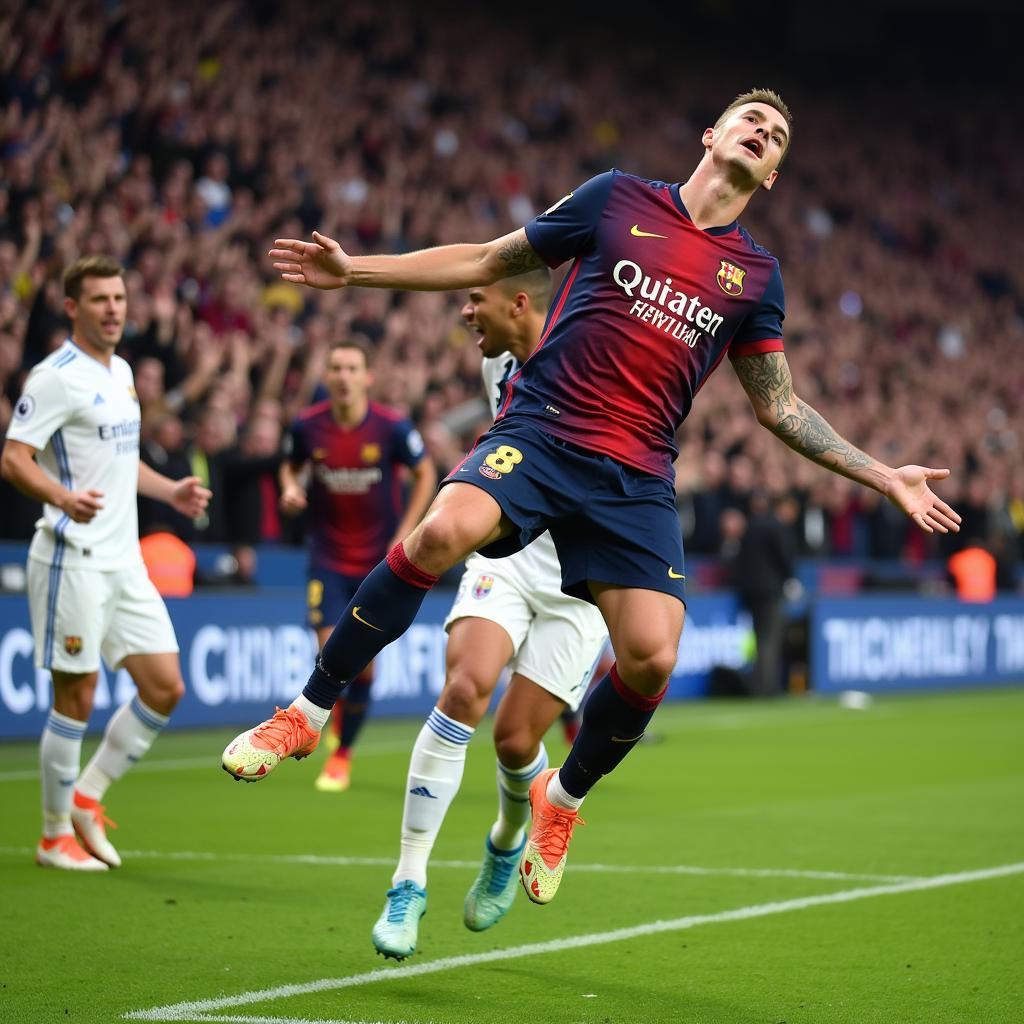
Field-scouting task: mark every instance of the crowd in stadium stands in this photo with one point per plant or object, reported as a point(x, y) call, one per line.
point(183, 138)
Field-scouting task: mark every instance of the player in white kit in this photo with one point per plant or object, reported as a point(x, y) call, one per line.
point(508, 612)
point(73, 444)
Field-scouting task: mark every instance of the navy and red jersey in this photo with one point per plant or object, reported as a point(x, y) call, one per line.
point(644, 315)
point(355, 495)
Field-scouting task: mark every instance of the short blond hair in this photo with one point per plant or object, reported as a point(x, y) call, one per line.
point(770, 98)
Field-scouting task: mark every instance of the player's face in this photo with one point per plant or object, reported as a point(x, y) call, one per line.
point(348, 377)
point(98, 315)
point(752, 142)
point(487, 313)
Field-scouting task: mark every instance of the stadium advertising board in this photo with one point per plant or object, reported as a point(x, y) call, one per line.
point(892, 643)
point(243, 653)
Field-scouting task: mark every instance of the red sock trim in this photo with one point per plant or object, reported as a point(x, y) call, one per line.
point(400, 565)
point(631, 697)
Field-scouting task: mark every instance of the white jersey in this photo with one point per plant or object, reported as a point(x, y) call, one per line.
point(84, 420)
point(539, 560)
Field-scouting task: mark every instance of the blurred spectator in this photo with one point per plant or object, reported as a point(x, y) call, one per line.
point(170, 562)
point(973, 571)
point(162, 447)
point(764, 565)
point(250, 473)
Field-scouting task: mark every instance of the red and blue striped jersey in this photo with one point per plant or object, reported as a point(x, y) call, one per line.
point(355, 494)
point(648, 309)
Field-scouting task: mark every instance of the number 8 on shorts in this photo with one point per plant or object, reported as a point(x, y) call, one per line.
point(504, 459)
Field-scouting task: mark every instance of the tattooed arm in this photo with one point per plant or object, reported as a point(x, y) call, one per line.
point(322, 263)
point(769, 386)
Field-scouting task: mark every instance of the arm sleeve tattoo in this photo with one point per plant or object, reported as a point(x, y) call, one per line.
point(518, 256)
point(767, 381)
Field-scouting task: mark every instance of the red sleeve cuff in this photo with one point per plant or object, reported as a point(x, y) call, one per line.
point(755, 348)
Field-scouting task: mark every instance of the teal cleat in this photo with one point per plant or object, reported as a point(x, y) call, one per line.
point(491, 895)
point(397, 928)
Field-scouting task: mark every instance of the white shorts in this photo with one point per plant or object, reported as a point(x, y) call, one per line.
point(556, 639)
point(80, 614)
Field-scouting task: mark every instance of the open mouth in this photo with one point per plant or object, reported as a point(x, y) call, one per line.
point(755, 147)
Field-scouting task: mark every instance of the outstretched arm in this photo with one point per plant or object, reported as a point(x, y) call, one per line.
point(769, 386)
point(322, 263)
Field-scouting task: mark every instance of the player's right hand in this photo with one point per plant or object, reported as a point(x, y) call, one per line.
point(81, 506)
point(293, 501)
point(321, 263)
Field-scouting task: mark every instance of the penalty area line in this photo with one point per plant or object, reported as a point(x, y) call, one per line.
point(317, 860)
point(198, 1010)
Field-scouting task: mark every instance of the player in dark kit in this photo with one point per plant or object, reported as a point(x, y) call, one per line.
point(663, 285)
point(358, 451)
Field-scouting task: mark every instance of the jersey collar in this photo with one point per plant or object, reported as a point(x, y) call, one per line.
point(78, 348)
point(723, 229)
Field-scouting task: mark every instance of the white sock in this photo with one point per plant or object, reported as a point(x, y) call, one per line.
point(60, 755)
point(559, 797)
point(129, 734)
point(514, 801)
point(316, 715)
point(435, 774)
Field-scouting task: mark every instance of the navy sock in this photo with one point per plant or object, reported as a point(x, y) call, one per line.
point(614, 719)
point(381, 611)
point(355, 705)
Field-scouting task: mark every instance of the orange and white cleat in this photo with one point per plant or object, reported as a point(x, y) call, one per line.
point(335, 775)
point(254, 754)
point(64, 852)
point(90, 821)
point(547, 845)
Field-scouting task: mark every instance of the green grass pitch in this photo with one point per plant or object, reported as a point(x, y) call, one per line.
point(736, 825)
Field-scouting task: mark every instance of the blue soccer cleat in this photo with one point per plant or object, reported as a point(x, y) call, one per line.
point(491, 895)
point(397, 928)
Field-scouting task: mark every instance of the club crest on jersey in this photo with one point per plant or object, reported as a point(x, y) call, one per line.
point(482, 587)
point(370, 453)
point(73, 644)
point(133, 394)
point(730, 278)
point(491, 474)
point(319, 454)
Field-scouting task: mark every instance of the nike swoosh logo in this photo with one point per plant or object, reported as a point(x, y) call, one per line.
point(637, 233)
point(359, 618)
point(673, 575)
point(623, 739)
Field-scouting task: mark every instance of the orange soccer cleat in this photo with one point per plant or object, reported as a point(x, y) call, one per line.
point(254, 754)
point(64, 852)
point(90, 822)
point(547, 845)
point(334, 777)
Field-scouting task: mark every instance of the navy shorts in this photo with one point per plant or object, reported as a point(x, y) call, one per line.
point(328, 594)
point(610, 523)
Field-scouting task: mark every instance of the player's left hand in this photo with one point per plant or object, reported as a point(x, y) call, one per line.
point(321, 263)
point(909, 491)
point(190, 497)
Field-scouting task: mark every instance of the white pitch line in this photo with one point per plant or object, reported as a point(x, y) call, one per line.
point(317, 860)
point(197, 1010)
point(211, 761)
point(232, 1019)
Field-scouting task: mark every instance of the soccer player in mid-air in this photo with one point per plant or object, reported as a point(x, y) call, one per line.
point(508, 611)
point(73, 445)
point(663, 285)
point(358, 451)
